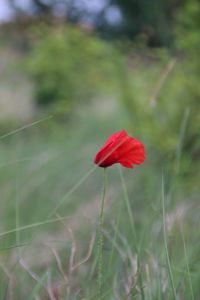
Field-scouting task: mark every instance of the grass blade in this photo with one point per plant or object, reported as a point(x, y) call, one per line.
point(187, 265)
point(165, 243)
point(132, 224)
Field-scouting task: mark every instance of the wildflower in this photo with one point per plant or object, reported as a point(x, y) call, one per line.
point(120, 148)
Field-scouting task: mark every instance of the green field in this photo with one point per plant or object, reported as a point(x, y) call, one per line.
point(79, 89)
point(50, 201)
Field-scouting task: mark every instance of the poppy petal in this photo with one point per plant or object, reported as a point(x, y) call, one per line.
point(126, 164)
point(120, 148)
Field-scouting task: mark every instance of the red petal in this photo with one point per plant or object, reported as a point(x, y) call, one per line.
point(126, 164)
point(132, 150)
point(107, 154)
point(120, 148)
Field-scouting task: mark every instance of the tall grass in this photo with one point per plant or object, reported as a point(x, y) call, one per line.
point(50, 199)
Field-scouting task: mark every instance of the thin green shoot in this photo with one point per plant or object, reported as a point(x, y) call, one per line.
point(33, 225)
point(25, 127)
point(132, 224)
point(187, 264)
point(17, 233)
point(165, 243)
point(100, 240)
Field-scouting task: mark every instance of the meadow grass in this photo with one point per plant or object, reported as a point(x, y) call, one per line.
point(50, 203)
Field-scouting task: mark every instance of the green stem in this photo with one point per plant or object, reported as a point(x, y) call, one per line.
point(100, 240)
point(165, 243)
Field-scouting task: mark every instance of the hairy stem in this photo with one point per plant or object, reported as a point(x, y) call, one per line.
point(100, 240)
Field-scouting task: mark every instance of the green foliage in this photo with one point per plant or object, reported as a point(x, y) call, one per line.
point(68, 67)
point(188, 43)
point(50, 189)
point(162, 102)
point(187, 28)
point(39, 170)
point(155, 17)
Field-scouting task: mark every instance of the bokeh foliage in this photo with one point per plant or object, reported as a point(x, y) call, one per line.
point(155, 18)
point(153, 94)
point(68, 66)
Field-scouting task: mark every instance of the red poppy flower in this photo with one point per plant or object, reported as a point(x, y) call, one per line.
point(120, 148)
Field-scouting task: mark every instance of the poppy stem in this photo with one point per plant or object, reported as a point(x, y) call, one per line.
point(100, 240)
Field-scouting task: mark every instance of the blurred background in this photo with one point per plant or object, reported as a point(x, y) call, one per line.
point(71, 73)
